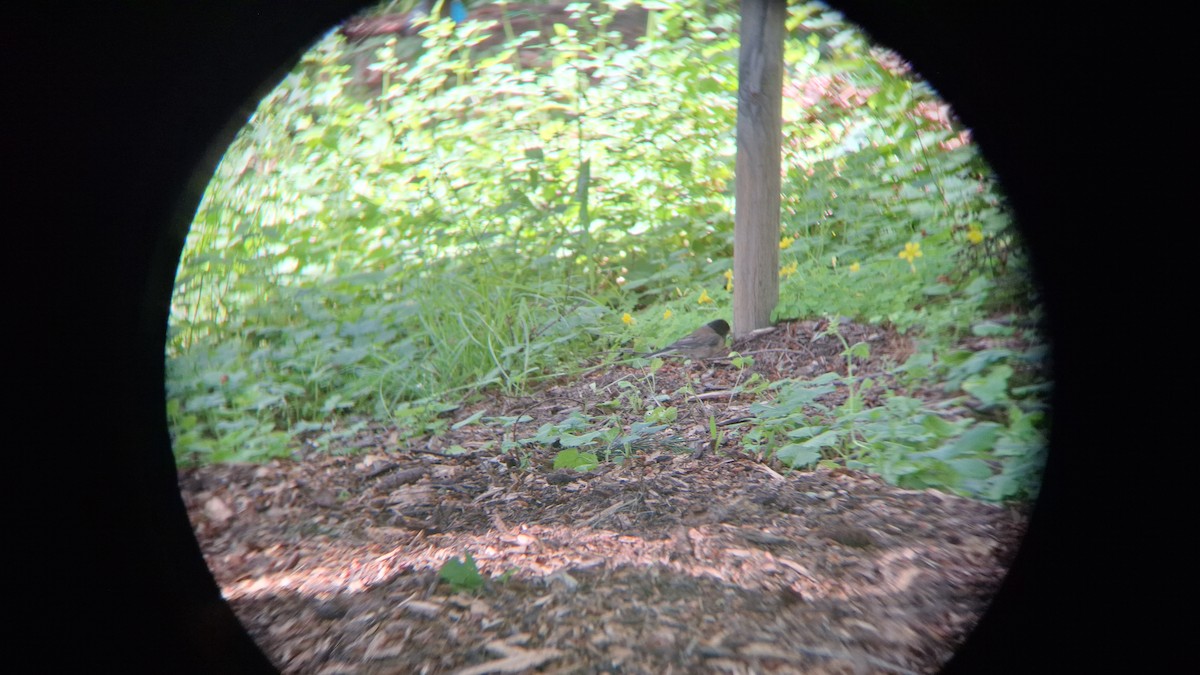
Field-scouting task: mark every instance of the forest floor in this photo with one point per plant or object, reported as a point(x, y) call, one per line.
point(683, 559)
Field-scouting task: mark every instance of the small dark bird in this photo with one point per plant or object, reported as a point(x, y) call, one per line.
point(706, 342)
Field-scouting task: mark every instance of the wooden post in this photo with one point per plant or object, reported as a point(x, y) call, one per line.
point(757, 181)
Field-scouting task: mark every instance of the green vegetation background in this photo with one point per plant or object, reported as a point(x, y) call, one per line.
point(475, 220)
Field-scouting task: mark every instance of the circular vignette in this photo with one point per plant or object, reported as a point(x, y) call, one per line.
point(166, 84)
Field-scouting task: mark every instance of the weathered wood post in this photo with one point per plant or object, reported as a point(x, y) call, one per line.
point(757, 181)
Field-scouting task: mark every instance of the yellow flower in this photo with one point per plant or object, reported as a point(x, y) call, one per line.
point(834, 262)
point(911, 252)
point(854, 267)
point(789, 269)
point(974, 234)
point(626, 319)
point(729, 280)
point(703, 297)
point(786, 242)
point(667, 314)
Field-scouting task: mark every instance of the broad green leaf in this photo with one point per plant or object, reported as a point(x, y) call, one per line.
point(475, 417)
point(569, 440)
point(796, 455)
point(573, 459)
point(461, 574)
point(971, 468)
point(992, 388)
point(980, 438)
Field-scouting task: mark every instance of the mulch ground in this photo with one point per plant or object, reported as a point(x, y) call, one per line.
point(683, 559)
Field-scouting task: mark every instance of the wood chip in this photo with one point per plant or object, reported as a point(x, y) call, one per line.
point(520, 661)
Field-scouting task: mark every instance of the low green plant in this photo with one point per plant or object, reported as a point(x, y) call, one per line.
point(915, 444)
point(858, 350)
point(462, 575)
point(748, 382)
point(603, 438)
point(574, 459)
point(715, 435)
point(421, 418)
point(788, 426)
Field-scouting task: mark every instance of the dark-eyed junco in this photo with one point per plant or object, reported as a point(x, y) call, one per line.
point(706, 342)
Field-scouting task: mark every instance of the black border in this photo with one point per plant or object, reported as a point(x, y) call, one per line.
point(120, 112)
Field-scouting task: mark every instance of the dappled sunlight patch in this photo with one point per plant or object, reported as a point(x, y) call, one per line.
point(723, 553)
point(674, 541)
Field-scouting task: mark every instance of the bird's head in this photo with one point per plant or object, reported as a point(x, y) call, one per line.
point(720, 327)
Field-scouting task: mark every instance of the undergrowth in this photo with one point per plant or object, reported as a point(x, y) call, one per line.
point(476, 222)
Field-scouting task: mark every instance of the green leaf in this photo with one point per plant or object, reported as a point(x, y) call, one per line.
point(470, 420)
point(461, 575)
point(569, 440)
point(805, 432)
point(937, 426)
point(798, 454)
point(992, 388)
point(975, 469)
point(825, 440)
point(860, 350)
point(978, 439)
point(573, 459)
